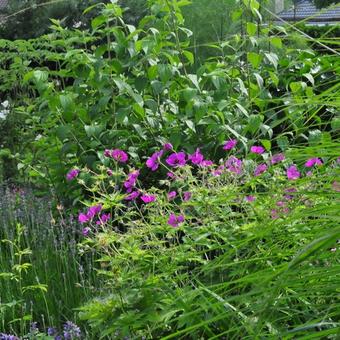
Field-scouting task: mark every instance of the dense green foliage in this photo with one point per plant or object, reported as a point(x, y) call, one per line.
point(247, 259)
point(325, 3)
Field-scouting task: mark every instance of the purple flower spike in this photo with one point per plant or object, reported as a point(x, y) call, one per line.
point(196, 157)
point(176, 159)
point(132, 196)
point(174, 220)
point(71, 331)
point(279, 157)
point(230, 144)
point(313, 161)
point(172, 195)
point(148, 198)
point(72, 174)
point(167, 146)
point(153, 162)
point(187, 195)
point(260, 169)
point(82, 218)
point(293, 173)
point(257, 149)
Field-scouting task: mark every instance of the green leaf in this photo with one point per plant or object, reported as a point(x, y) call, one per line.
point(254, 58)
point(251, 28)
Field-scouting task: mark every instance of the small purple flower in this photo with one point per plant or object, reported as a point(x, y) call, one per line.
point(174, 220)
point(71, 331)
point(260, 169)
point(167, 146)
point(257, 149)
point(206, 163)
point(338, 160)
point(234, 165)
point(94, 210)
point(230, 144)
point(336, 186)
point(187, 195)
point(289, 197)
point(280, 203)
point(196, 157)
point(172, 195)
point(153, 162)
point(250, 198)
point(119, 155)
point(132, 196)
point(51, 331)
point(292, 172)
point(4, 336)
point(82, 218)
point(176, 159)
point(85, 231)
point(274, 214)
point(313, 161)
point(34, 327)
point(109, 172)
point(104, 218)
point(72, 174)
point(279, 157)
point(148, 198)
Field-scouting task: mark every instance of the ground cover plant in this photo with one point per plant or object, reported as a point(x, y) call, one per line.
point(160, 185)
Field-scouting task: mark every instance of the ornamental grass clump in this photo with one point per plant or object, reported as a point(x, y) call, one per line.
point(235, 249)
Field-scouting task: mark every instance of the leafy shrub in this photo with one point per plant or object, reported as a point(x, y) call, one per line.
point(121, 86)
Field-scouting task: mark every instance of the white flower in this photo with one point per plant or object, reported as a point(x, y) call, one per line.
point(38, 137)
point(3, 114)
point(5, 104)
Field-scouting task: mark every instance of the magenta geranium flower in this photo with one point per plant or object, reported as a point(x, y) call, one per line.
point(196, 157)
point(171, 175)
point(257, 149)
point(83, 218)
point(94, 210)
point(176, 159)
point(132, 196)
point(72, 174)
point(206, 163)
point(313, 161)
point(234, 165)
point(174, 220)
point(104, 218)
point(119, 155)
point(293, 172)
point(172, 195)
point(250, 198)
point(260, 169)
point(153, 162)
point(279, 157)
point(131, 180)
point(148, 198)
point(230, 144)
point(167, 146)
point(187, 195)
